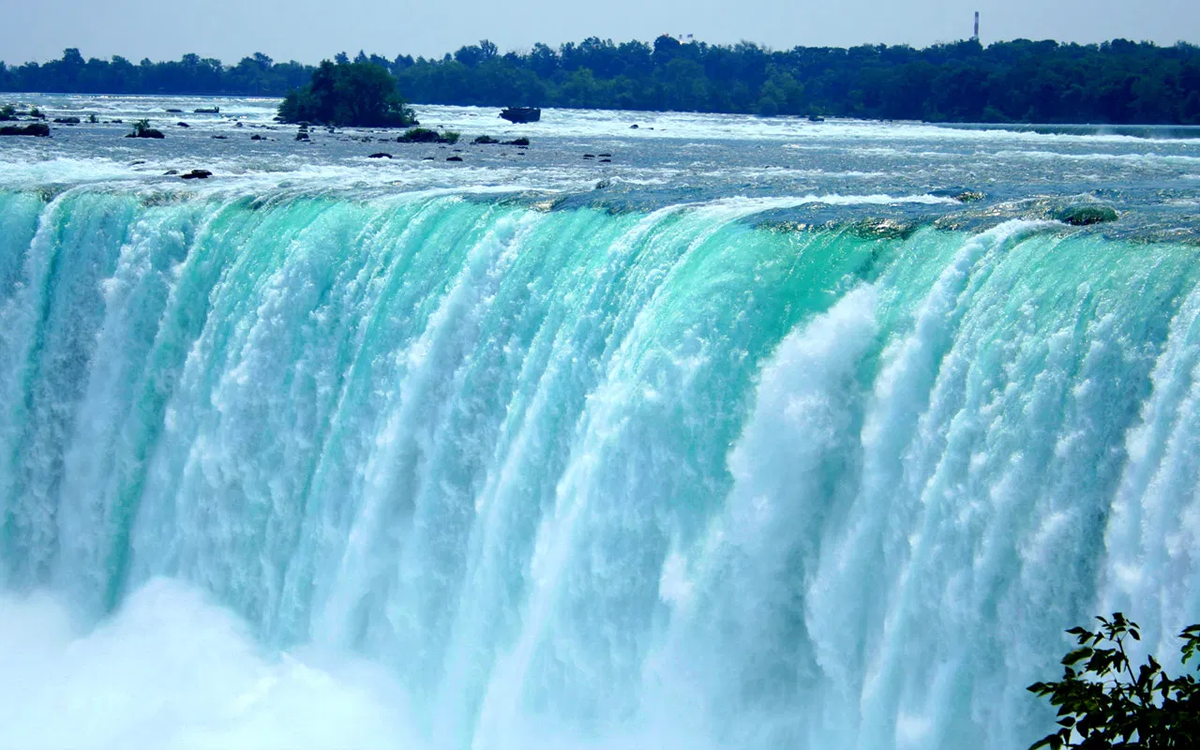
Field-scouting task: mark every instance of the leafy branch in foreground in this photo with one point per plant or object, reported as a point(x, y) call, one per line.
point(1103, 703)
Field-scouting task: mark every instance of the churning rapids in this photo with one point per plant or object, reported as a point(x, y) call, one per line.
point(784, 450)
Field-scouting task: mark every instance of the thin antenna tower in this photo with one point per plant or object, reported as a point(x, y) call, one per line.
point(976, 37)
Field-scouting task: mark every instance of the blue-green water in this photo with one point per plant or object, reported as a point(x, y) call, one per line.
point(669, 478)
point(753, 437)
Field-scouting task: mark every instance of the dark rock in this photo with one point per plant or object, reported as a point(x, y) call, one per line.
point(606, 161)
point(380, 155)
point(517, 142)
point(589, 156)
point(174, 111)
point(1082, 216)
point(39, 129)
point(170, 172)
point(183, 125)
point(454, 158)
point(603, 184)
point(239, 124)
point(220, 137)
point(633, 126)
point(302, 136)
point(257, 137)
point(521, 114)
point(816, 118)
point(207, 111)
point(960, 194)
point(146, 133)
point(604, 156)
point(117, 122)
point(428, 158)
point(485, 139)
point(67, 120)
point(196, 174)
point(425, 135)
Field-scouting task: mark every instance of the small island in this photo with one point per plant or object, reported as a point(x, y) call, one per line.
point(359, 94)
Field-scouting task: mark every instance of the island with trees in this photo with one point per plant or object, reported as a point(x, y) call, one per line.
point(1117, 82)
point(358, 94)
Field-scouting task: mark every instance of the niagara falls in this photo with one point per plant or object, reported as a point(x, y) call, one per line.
point(609, 423)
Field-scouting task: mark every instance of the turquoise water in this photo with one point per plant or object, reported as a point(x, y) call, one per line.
point(573, 478)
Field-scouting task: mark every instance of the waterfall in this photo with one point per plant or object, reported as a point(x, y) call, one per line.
point(443, 471)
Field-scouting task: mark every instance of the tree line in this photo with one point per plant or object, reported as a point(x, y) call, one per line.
point(1118, 82)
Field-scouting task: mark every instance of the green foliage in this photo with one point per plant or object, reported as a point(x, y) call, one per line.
point(1118, 82)
point(359, 94)
point(1103, 703)
point(8, 112)
point(140, 127)
point(425, 135)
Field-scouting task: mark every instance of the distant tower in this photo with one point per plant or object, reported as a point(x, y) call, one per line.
point(976, 37)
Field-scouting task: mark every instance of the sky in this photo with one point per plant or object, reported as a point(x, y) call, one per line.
point(309, 30)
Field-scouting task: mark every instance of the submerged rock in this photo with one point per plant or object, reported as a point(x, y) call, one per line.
point(380, 155)
point(454, 158)
point(39, 129)
point(486, 139)
point(517, 142)
point(196, 174)
point(1086, 215)
point(960, 194)
point(207, 111)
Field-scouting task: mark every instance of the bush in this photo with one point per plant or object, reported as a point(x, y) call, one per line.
point(425, 135)
point(142, 129)
point(1107, 705)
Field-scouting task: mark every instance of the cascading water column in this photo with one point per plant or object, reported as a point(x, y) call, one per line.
point(492, 477)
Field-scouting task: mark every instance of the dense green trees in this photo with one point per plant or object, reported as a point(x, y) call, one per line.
point(1103, 703)
point(1019, 81)
point(353, 93)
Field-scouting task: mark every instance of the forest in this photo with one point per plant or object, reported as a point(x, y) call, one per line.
point(1117, 82)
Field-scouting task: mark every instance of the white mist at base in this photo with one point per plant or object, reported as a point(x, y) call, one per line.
point(171, 670)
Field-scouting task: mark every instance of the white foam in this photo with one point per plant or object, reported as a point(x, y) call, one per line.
point(172, 670)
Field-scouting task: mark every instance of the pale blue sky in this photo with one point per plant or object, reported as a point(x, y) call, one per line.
point(309, 30)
